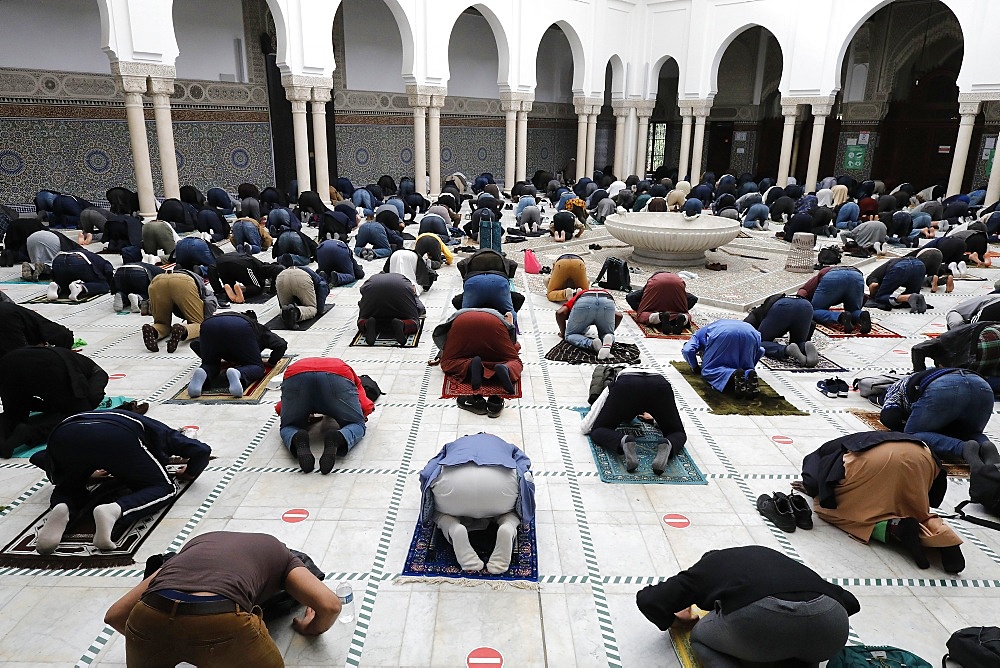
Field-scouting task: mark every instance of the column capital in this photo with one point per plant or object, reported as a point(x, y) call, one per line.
point(700, 108)
point(789, 109)
point(516, 100)
point(299, 87)
point(321, 94)
point(969, 108)
point(421, 96)
point(132, 85)
point(586, 106)
point(644, 108)
point(298, 93)
point(128, 68)
point(161, 86)
point(621, 108)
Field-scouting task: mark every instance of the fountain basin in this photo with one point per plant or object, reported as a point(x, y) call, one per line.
point(666, 239)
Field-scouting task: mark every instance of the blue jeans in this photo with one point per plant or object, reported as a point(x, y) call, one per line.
point(488, 291)
point(291, 244)
point(787, 316)
point(68, 267)
point(192, 251)
point(590, 309)
point(838, 286)
point(848, 216)
point(324, 393)
point(246, 232)
point(374, 234)
point(953, 408)
point(363, 200)
point(908, 274)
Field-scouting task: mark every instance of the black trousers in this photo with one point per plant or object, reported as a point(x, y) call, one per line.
point(631, 395)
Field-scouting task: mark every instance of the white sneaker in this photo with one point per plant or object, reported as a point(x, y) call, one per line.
point(52, 293)
point(75, 290)
point(765, 226)
point(133, 303)
point(118, 305)
point(605, 351)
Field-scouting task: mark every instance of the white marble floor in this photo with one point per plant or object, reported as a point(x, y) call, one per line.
point(598, 543)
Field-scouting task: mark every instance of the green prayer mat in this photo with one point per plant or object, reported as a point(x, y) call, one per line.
point(768, 402)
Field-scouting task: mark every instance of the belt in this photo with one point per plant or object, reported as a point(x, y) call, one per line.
point(172, 607)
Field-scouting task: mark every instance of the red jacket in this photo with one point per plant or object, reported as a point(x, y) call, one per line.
point(809, 288)
point(329, 365)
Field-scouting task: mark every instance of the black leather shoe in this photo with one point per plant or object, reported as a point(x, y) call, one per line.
point(800, 507)
point(778, 510)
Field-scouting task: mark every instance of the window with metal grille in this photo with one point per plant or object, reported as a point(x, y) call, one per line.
point(656, 146)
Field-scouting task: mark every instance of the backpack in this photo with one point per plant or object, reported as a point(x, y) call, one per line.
point(372, 390)
point(974, 647)
point(829, 255)
point(602, 377)
point(875, 386)
point(984, 484)
point(618, 276)
point(865, 656)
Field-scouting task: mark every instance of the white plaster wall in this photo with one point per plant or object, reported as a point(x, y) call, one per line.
point(554, 73)
point(58, 35)
point(373, 50)
point(205, 38)
point(472, 58)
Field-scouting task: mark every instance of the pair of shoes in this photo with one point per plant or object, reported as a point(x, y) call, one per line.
point(28, 272)
point(917, 303)
point(716, 266)
point(594, 246)
point(133, 406)
point(545, 270)
point(177, 334)
point(786, 511)
point(300, 446)
point(150, 338)
point(474, 404)
point(833, 387)
point(847, 322)
point(371, 331)
point(494, 404)
point(290, 316)
point(333, 443)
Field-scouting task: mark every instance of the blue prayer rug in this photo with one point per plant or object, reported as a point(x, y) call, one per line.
point(681, 469)
point(431, 555)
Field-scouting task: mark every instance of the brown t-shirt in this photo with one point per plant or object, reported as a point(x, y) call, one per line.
point(247, 568)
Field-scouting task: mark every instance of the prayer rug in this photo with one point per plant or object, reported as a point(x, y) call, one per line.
point(276, 322)
point(681, 640)
point(788, 364)
point(768, 402)
point(261, 298)
point(385, 339)
point(835, 331)
point(432, 556)
point(621, 353)
point(453, 387)
point(932, 335)
point(77, 547)
point(953, 465)
point(218, 391)
point(681, 469)
point(25, 451)
point(651, 332)
point(42, 299)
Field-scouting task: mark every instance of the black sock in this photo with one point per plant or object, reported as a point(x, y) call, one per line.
point(476, 373)
point(503, 375)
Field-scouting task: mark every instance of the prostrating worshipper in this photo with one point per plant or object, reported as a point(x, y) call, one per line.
point(242, 276)
point(434, 223)
point(756, 217)
point(337, 224)
point(569, 274)
point(79, 274)
point(41, 248)
point(881, 485)
point(131, 286)
point(907, 273)
point(389, 303)
point(729, 350)
point(592, 306)
point(486, 259)
point(196, 254)
point(943, 407)
point(15, 242)
point(486, 205)
point(781, 315)
point(409, 264)
point(158, 239)
point(976, 244)
point(377, 239)
point(324, 386)
point(975, 309)
point(293, 249)
point(563, 225)
point(633, 393)
point(202, 607)
point(952, 255)
point(870, 236)
point(92, 223)
point(282, 218)
point(663, 302)
point(336, 265)
point(974, 346)
point(838, 285)
point(238, 340)
point(490, 289)
point(53, 382)
point(20, 327)
point(185, 293)
point(249, 236)
point(121, 232)
point(763, 607)
point(475, 481)
point(433, 251)
point(133, 449)
point(302, 295)
point(478, 345)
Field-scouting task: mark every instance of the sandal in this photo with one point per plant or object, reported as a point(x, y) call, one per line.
point(716, 266)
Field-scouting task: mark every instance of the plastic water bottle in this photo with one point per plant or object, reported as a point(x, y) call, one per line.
point(346, 595)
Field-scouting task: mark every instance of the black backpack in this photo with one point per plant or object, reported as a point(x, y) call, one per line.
point(602, 377)
point(974, 647)
point(828, 256)
point(618, 277)
point(984, 484)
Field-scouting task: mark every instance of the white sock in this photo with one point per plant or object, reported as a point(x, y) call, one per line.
point(51, 533)
point(654, 318)
point(500, 559)
point(105, 517)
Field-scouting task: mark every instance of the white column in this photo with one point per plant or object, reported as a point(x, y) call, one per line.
point(699, 144)
point(685, 154)
point(591, 140)
point(434, 141)
point(582, 112)
point(298, 95)
point(960, 156)
point(521, 161)
point(420, 149)
point(790, 112)
point(643, 109)
point(510, 139)
point(160, 88)
point(134, 87)
point(820, 113)
point(320, 96)
point(621, 114)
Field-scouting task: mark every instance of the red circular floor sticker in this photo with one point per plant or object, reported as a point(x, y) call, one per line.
point(295, 515)
point(900, 352)
point(783, 440)
point(116, 376)
point(676, 521)
point(484, 656)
